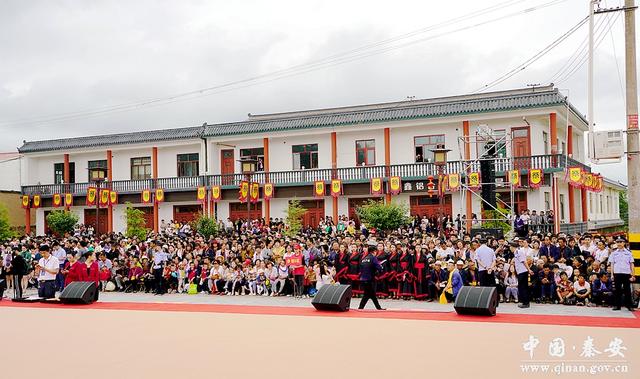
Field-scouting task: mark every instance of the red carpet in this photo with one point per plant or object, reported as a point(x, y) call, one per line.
point(612, 322)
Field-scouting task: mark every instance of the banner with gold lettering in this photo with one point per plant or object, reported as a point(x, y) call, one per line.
point(68, 200)
point(201, 194)
point(395, 185)
point(575, 176)
point(268, 191)
point(113, 198)
point(244, 191)
point(92, 194)
point(104, 197)
point(599, 183)
point(159, 195)
point(146, 196)
point(473, 180)
point(336, 187)
point(57, 200)
point(37, 201)
point(254, 194)
point(376, 187)
point(454, 182)
point(514, 177)
point(318, 188)
point(536, 178)
point(588, 181)
point(216, 193)
point(25, 201)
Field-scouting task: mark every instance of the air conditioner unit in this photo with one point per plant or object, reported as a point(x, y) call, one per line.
point(606, 144)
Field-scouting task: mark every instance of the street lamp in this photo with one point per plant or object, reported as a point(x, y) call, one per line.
point(440, 160)
point(248, 167)
point(98, 178)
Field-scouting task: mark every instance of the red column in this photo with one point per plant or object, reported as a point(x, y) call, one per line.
point(556, 213)
point(110, 179)
point(583, 200)
point(570, 141)
point(66, 176)
point(387, 158)
point(467, 156)
point(27, 221)
point(334, 167)
point(267, 203)
point(553, 131)
point(154, 164)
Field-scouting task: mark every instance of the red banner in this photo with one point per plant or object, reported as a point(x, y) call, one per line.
point(375, 187)
point(336, 187)
point(201, 194)
point(536, 178)
point(159, 195)
point(244, 191)
point(146, 196)
point(254, 194)
point(25, 201)
point(268, 191)
point(318, 188)
point(395, 185)
point(37, 201)
point(216, 194)
point(92, 195)
point(113, 198)
point(57, 200)
point(68, 199)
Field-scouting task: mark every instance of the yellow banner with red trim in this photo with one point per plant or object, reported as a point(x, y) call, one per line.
point(536, 178)
point(318, 188)
point(25, 201)
point(244, 191)
point(395, 185)
point(336, 187)
point(453, 182)
point(68, 199)
point(201, 194)
point(92, 194)
point(514, 178)
point(159, 195)
point(113, 198)
point(104, 197)
point(376, 187)
point(57, 200)
point(37, 201)
point(268, 191)
point(146, 196)
point(575, 176)
point(216, 193)
point(255, 192)
point(474, 180)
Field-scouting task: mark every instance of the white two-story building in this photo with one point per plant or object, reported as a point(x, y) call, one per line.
point(536, 129)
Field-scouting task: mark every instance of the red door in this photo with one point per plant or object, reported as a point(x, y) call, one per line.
point(239, 211)
point(429, 206)
point(148, 216)
point(227, 166)
point(314, 213)
point(90, 219)
point(521, 142)
point(186, 213)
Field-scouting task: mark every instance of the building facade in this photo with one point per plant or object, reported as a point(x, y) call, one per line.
point(535, 129)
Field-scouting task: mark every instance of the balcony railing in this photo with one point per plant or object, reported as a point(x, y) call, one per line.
point(549, 163)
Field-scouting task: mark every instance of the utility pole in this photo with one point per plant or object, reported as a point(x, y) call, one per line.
point(592, 4)
point(633, 144)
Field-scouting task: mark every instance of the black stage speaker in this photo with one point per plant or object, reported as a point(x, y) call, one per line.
point(488, 176)
point(333, 297)
point(79, 293)
point(481, 301)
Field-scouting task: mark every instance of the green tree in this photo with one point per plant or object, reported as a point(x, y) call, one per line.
point(206, 226)
point(382, 216)
point(5, 228)
point(623, 206)
point(62, 221)
point(294, 217)
point(136, 224)
point(496, 220)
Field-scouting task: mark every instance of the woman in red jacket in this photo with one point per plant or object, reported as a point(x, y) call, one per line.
point(89, 270)
point(72, 270)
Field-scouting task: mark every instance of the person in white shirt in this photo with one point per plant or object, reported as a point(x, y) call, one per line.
point(486, 260)
point(601, 253)
point(47, 269)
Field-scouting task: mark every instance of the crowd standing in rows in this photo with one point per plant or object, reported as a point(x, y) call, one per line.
point(427, 260)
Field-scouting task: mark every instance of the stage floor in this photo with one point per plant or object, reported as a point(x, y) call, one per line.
point(180, 336)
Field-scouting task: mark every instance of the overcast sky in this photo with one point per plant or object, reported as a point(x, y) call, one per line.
point(62, 57)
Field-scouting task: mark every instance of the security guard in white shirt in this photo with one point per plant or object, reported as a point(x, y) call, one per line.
point(47, 269)
point(621, 261)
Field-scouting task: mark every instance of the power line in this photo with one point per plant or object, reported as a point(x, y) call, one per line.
point(331, 61)
point(533, 59)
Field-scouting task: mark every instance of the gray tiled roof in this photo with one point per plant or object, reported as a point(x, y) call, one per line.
point(430, 108)
point(113, 139)
point(333, 117)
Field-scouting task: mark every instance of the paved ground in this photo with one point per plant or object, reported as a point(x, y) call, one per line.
point(508, 308)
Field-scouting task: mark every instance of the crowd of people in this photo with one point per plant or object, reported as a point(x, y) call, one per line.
point(426, 260)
